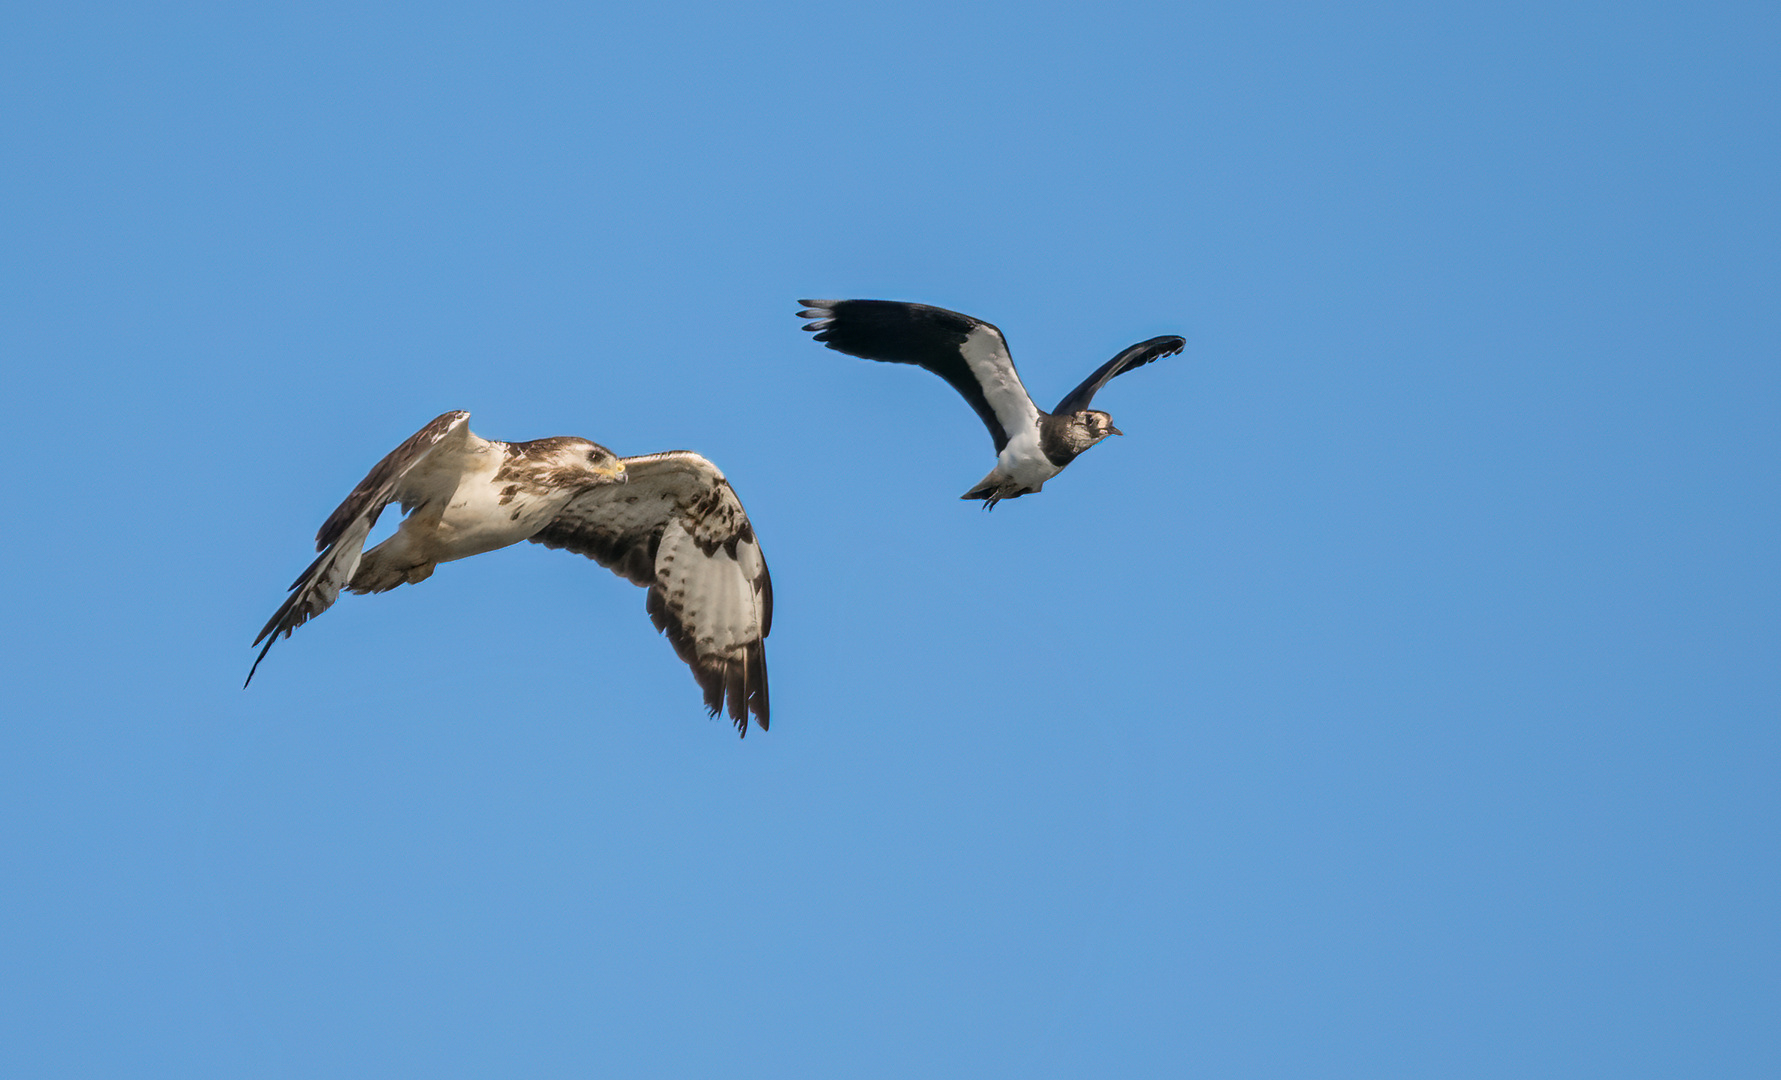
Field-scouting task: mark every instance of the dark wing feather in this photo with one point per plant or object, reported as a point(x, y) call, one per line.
point(379, 488)
point(676, 527)
point(934, 338)
point(341, 538)
point(1134, 357)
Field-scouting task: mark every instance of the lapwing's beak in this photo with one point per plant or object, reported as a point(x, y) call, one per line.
point(1111, 430)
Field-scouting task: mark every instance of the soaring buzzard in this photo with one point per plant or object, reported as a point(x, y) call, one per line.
point(1032, 445)
point(667, 521)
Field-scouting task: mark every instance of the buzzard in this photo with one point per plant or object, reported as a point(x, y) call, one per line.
point(668, 522)
point(1032, 445)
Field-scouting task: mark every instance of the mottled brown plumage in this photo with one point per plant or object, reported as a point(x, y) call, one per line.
point(669, 522)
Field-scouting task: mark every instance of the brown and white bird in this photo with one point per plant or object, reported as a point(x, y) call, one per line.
point(667, 521)
point(1032, 445)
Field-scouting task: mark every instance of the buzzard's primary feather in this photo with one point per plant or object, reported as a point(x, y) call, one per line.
point(676, 527)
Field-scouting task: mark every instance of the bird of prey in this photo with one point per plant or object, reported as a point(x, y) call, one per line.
point(667, 521)
point(1032, 445)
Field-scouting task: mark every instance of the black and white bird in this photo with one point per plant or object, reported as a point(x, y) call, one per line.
point(1032, 445)
point(667, 521)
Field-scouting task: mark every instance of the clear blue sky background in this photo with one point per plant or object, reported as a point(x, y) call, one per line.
point(1398, 699)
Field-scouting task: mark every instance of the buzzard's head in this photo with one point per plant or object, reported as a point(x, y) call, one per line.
point(604, 464)
point(569, 462)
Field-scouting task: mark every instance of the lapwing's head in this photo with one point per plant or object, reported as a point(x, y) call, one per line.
point(1087, 428)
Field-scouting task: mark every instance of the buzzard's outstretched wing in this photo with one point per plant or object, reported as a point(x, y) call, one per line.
point(968, 353)
point(1134, 357)
point(677, 528)
point(341, 538)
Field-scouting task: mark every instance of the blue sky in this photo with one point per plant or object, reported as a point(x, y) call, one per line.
point(1397, 699)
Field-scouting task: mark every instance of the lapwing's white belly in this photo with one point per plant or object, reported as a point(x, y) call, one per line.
point(1023, 462)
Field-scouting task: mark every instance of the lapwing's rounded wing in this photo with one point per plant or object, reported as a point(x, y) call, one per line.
point(676, 527)
point(1032, 446)
point(341, 539)
point(1134, 357)
point(968, 353)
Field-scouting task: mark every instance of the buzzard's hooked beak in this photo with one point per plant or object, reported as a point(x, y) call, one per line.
point(615, 473)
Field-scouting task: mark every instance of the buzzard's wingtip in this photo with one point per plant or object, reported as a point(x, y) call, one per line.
point(257, 659)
